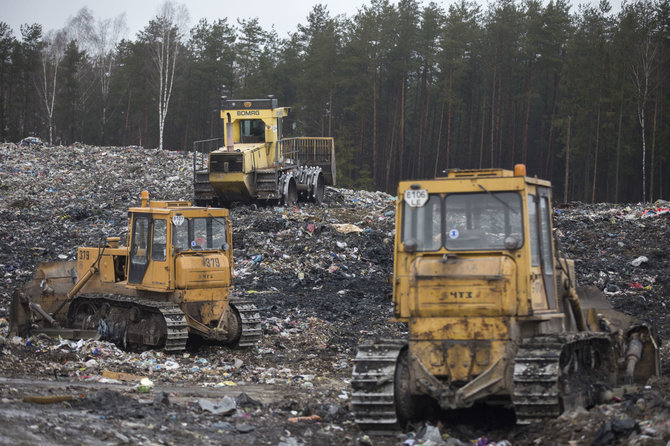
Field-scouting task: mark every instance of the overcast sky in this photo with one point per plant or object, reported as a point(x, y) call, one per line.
point(284, 15)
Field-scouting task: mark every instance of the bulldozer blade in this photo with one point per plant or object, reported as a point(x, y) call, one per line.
point(601, 316)
point(595, 303)
point(591, 297)
point(60, 276)
point(48, 289)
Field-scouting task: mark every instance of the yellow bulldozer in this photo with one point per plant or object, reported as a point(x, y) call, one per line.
point(256, 162)
point(171, 281)
point(494, 314)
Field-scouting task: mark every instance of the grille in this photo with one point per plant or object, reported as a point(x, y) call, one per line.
point(226, 163)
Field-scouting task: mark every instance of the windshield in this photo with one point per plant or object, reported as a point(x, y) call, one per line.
point(252, 130)
point(199, 233)
point(469, 221)
point(424, 224)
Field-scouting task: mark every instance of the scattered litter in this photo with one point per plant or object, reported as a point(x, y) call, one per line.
point(319, 275)
point(346, 228)
point(224, 406)
point(307, 418)
point(639, 261)
point(120, 376)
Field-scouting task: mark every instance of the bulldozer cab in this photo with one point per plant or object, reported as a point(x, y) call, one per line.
point(462, 233)
point(252, 121)
point(166, 240)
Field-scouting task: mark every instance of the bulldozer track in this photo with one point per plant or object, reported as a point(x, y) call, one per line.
point(176, 334)
point(251, 322)
point(553, 373)
point(373, 386)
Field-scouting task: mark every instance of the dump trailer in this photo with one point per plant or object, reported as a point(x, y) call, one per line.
point(494, 314)
point(172, 281)
point(256, 163)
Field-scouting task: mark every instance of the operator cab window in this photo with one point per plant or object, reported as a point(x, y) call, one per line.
point(139, 256)
point(532, 230)
point(252, 130)
point(424, 224)
point(483, 220)
point(206, 233)
point(159, 240)
point(180, 233)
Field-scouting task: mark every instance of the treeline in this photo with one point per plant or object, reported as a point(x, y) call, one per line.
point(408, 90)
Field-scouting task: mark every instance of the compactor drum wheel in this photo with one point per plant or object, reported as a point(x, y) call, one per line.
point(291, 197)
point(319, 190)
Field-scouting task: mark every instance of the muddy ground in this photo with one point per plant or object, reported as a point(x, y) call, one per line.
point(319, 275)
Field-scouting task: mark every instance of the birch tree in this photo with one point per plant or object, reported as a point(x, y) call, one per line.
point(51, 57)
point(164, 37)
point(643, 64)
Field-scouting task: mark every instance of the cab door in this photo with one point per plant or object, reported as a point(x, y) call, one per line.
point(542, 277)
point(148, 264)
point(139, 247)
point(157, 275)
point(547, 246)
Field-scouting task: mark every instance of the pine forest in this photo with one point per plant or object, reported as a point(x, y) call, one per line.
point(580, 94)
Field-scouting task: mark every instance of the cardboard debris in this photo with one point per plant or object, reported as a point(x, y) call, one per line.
point(121, 376)
point(347, 228)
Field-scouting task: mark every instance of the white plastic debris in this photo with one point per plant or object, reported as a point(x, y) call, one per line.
point(639, 261)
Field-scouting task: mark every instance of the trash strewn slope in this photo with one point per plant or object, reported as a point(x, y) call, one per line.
point(321, 277)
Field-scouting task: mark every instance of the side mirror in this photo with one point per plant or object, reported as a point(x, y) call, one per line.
point(411, 245)
point(225, 247)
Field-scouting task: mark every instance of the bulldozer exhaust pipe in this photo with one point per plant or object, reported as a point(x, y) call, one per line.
point(229, 137)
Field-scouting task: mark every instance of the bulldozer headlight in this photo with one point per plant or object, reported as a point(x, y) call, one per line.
point(511, 242)
point(411, 245)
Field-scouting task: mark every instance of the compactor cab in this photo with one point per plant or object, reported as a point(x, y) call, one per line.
point(172, 279)
point(493, 313)
point(257, 161)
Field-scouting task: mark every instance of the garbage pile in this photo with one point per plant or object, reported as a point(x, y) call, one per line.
point(320, 276)
point(624, 251)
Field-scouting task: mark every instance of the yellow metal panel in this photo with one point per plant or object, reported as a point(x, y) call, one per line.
point(232, 177)
point(203, 294)
point(462, 286)
point(207, 271)
point(157, 276)
point(457, 360)
point(107, 269)
point(204, 304)
point(538, 295)
point(248, 114)
point(459, 328)
point(459, 348)
point(463, 185)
